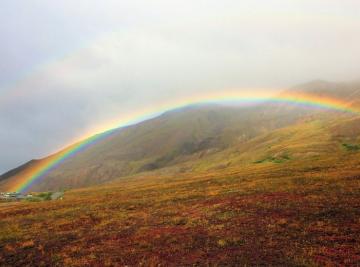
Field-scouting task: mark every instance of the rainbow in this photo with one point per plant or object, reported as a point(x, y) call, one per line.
point(24, 181)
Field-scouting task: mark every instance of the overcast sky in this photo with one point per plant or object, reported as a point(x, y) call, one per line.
point(67, 66)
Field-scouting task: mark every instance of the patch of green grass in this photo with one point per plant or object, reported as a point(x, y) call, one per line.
point(32, 199)
point(41, 197)
point(280, 159)
point(260, 161)
point(351, 147)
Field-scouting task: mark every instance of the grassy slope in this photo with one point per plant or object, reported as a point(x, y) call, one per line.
point(179, 136)
point(195, 133)
point(301, 210)
point(316, 136)
point(165, 141)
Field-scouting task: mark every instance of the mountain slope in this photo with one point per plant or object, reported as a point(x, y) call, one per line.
point(297, 212)
point(17, 170)
point(272, 185)
point(201, 137)
point(164, 141)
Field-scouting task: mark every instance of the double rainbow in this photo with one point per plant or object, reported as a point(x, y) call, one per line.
point(24, 181)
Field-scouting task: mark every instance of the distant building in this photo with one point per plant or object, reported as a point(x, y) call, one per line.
point(9, 196)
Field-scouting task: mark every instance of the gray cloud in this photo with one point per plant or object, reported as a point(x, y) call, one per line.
point(67, 66)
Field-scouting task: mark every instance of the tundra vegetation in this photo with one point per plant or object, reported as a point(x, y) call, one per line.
point(297, 213)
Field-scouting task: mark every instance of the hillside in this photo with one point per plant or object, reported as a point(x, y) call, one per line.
point(196, 137)
point(302, 212)
point(17, 170)
point(208, 185)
